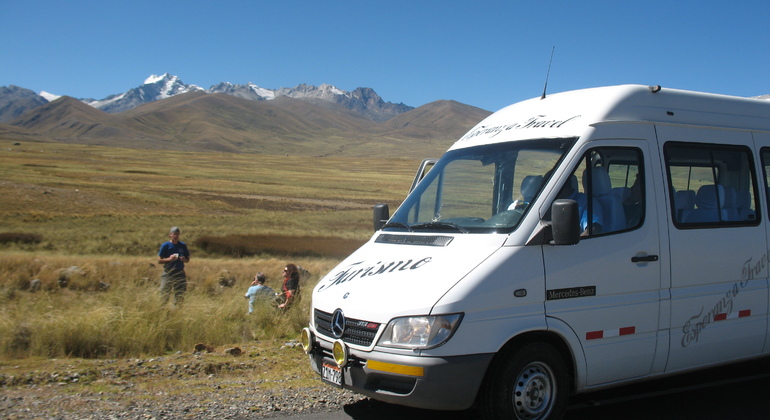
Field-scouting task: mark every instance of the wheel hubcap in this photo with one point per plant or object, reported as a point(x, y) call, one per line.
point(534, 392)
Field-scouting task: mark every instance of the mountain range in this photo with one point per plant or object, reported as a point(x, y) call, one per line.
point(362, 100)
point(165, 113)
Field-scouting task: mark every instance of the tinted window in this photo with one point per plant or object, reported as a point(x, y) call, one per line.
point(711, 185)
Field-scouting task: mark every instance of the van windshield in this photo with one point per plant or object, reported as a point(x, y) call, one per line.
point(480, 189)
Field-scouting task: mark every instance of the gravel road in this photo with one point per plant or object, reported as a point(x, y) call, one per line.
point(260, 383)
point(224, 400)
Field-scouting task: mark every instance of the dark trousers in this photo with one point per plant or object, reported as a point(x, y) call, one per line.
point(173, 281)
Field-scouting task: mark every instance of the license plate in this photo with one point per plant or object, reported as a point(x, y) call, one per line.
point(331, 373)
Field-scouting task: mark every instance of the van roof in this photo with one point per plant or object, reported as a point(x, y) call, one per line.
point(568, 114)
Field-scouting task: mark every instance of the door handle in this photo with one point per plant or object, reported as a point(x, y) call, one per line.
point(646, 258)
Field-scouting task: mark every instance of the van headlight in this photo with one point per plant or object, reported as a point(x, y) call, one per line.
point(419, 332)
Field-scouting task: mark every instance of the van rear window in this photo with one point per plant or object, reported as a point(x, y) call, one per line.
point(711, 185)
point(766, 167)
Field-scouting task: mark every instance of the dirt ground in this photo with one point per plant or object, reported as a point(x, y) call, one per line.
point(267, 380)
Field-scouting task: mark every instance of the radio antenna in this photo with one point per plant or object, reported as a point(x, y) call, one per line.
point(548, 74)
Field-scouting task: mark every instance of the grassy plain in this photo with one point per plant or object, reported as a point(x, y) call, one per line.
point(106, 211)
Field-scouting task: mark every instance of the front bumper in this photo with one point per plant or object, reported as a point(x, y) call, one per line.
point(436, 383)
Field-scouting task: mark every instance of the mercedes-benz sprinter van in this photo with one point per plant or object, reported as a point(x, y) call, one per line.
point(564, 244)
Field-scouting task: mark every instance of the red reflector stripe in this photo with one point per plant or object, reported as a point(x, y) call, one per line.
point(593, 335)
point(732, 315)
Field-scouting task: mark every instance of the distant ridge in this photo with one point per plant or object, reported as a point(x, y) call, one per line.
point(153, 89)
point(364, 101)
point(199, 121)
point(440, 118)
point(15, 101)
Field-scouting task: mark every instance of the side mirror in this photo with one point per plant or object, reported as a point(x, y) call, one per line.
point(565, 222)
point(380, 215)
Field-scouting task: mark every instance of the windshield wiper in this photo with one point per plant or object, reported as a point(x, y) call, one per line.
point(397, 225)
point(440, 225)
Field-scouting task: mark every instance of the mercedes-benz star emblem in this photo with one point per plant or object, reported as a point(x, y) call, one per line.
point(338, 323)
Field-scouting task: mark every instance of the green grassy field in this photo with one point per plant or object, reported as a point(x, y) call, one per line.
point(107, 210)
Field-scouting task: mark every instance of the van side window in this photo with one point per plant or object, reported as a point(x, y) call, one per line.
point(765, 153)
point(711, 185)
point(608, 186)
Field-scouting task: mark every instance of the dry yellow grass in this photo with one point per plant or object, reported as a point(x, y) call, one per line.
point(107, 210)
point(111, 307)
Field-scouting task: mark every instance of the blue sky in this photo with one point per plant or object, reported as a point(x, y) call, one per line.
point(483, 53)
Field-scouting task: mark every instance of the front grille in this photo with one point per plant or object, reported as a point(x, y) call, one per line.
point(357, 332)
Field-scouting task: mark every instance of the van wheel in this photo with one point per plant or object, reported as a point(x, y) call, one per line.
point(529, 383)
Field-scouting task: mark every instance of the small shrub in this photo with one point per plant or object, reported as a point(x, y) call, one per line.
point(20, 339)
point(287, 246)
point(213, 285)
point(20, 238)
point(22, 282)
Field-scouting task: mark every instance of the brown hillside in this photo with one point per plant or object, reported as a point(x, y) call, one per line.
point(14, 133)
point(220, 122)
point(64, 115)
point(68, 119)
point(324, 114)
point(199, 121)
point(447, 119)
point(227, 123)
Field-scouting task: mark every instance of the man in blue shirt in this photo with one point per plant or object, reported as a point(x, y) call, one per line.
point(258, 290)
point(173, 254)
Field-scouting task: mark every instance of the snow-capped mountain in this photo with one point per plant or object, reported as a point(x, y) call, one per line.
point(50, 97)
point(248, 91)
point(153, 89)
point(363, 101)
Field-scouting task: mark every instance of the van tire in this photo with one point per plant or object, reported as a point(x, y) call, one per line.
point(528, 382)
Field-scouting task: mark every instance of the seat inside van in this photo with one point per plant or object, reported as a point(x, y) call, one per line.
point(613, 215)
point(709, 205)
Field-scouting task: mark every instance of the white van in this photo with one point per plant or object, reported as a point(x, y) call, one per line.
point(565, 244)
